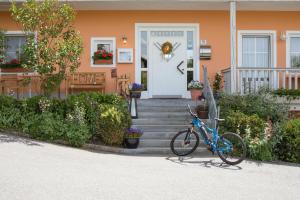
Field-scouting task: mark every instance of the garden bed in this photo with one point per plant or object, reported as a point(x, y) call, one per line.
point(73, 121)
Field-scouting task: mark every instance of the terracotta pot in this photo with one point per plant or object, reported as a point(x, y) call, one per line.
point(103, 62)
point(14, 69)
point(195, 94)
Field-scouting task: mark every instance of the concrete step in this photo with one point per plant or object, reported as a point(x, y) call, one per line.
point(167, 150)
point(164, 114)
point(162, 109)
point(160, 143)
point(160, 121)
point(158, 135)
point(167, 102)
point(160, 128)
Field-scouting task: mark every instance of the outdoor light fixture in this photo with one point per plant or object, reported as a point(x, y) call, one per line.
point(124, 39)
point(282, 36)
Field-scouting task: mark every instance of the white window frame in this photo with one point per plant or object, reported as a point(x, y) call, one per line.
point(290, 34)
point(93, 40)
point(15, 33)
point(270, 33)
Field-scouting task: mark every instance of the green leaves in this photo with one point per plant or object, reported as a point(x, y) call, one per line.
point(53, 46)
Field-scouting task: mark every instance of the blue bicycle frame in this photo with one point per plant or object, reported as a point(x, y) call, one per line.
point(205, 130)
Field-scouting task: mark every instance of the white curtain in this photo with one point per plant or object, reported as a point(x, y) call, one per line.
point(295, 52)
point(256, 51)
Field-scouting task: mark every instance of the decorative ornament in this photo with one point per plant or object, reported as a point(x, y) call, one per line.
point(167, 48)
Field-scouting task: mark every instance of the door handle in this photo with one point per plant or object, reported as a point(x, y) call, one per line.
point(180, 70)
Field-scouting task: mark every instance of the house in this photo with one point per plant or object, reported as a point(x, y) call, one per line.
point(162, 44)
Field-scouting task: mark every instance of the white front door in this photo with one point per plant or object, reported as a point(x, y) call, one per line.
point(168, 74)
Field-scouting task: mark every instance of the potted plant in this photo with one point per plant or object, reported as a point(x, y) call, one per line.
point(217, 86)
point(202, 111)
point(195, 88)
point(102, 57)
point(12, 66)
point(135, 90)
point(132, 138)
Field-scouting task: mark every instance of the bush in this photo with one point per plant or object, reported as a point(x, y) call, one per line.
point(74, 120)
point(261, 103)
point(112, 124)
point(288, 146)
point(254, 132)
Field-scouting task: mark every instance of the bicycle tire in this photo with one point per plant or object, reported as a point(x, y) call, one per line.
point(180, 133)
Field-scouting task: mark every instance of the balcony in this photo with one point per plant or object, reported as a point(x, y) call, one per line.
point(243, 80)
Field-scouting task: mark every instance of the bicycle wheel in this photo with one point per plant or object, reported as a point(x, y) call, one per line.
point(231, 148)
point(184, 143)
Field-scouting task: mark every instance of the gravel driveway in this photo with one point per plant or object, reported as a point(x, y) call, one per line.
point(31, 170)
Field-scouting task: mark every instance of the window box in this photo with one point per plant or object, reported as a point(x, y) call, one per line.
point(103, 62)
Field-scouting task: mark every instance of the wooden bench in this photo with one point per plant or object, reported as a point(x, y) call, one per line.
point(86, 80)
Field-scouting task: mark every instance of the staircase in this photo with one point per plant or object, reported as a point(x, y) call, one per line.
point(161, 119)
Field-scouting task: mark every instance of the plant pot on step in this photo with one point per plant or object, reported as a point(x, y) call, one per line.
point(202, 111)
point(135, 94)
point(131, 143)
point(195, 94)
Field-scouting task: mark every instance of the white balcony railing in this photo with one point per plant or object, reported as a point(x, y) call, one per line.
point(250, 79)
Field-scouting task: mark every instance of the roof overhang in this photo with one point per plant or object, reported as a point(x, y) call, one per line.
point(256, 5)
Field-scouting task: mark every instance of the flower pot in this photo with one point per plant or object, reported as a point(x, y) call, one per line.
point(202, 111)
point(131, 143)
point(195, 94)
point(103, 62)
point(135, 94)
point(14, 70)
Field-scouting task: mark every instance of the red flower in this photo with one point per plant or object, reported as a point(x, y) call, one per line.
point(110, 55)
point(104, 55)
point(1, 60)
point(14, 61)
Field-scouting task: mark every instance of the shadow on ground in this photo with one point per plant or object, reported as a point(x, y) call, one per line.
point(11, 138)
point(203, 163)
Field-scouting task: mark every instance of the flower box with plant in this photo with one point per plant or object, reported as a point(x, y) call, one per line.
point(132, 138)
point(102, 57)
point(135, 90)
point(196, 88)
point(12, 66)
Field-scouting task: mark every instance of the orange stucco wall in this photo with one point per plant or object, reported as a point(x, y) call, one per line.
point(214, 27)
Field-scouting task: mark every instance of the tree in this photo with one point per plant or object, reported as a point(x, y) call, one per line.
point(53, 46)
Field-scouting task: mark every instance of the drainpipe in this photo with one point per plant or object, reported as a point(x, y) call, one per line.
point(233, 64)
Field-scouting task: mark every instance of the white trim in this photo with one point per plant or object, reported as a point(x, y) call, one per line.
point(270, 33)
point(148, 26)
point(113, 39)
point(289, 34)
point(233, 49)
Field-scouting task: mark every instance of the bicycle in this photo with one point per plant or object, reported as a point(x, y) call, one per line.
point(228, 146)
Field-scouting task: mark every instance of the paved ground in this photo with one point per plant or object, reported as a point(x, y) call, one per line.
point(32, 170)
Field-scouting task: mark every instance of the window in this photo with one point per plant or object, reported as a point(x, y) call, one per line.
point(103, 52)
point(190, 57)
point(14, 43)
point(257, 49)
point(144, 59)
point(293, 50)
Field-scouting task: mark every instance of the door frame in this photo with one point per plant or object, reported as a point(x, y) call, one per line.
point(148, 27)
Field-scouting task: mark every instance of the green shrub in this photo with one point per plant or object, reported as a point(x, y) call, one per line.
point(290, 94)
point(261, 103)
point(254, 132)
point(77, 134)
point(112, 124)
point(45, 126)
point(74, 120)
point(288, 145)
